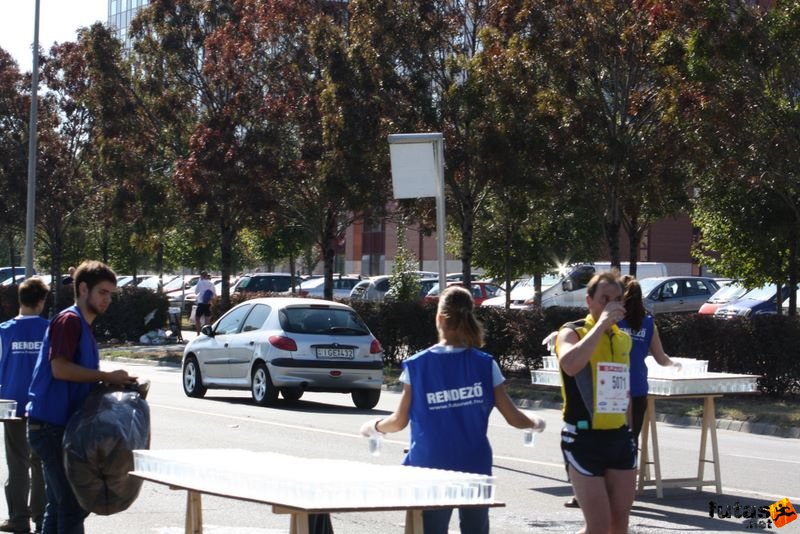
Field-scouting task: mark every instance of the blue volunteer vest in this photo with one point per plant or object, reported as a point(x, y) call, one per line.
point(641, 346)
point(21, 340)
point(53, 400)
point(452, 397)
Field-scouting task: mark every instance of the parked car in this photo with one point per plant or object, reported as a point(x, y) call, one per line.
point(760, 301)
point(279, 283)
point(8, 272)
point(342, 286)
point(372, 289)
point(10, 281)
point(725, 294)
point(425, 285)
point(480, 291)
point(151, 282)
point(126, 280)
point(286, 345)
point(179, 288)
point(522, 293)
point(676, 294)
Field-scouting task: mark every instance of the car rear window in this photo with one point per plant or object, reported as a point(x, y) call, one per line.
point(322, 321)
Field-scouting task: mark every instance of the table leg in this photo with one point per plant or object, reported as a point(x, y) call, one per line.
point(194, 513)
point(651, 408)
point(298, 523)
point(710, 427)
point(644, 456)
point(413, 522)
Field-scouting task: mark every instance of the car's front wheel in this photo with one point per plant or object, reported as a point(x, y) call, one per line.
point(192, 380)
point(264, 393)
point(365, 399)
point(291, 394)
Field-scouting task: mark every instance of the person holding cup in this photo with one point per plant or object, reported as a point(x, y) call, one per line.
point(449, 391)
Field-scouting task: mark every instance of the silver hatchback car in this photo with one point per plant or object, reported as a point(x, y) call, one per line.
point(676, 294)
point(286, 345)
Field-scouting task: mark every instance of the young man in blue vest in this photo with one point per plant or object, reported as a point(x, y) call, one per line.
point(20, 341)
point(67, 368)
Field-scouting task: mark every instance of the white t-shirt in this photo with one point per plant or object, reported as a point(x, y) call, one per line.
point(200, 289)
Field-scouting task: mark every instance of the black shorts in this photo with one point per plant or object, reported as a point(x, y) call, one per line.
point(203, 310)
point(591, 452)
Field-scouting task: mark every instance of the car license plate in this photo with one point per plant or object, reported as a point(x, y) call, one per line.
point(335, 353)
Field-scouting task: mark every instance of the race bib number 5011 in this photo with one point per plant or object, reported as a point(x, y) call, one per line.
point(613, 389)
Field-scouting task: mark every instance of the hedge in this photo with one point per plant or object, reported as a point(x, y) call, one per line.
point(765, 345)
point(123, 321)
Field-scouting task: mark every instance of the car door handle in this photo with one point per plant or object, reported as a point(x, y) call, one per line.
point(252, 343)
point(226, 345)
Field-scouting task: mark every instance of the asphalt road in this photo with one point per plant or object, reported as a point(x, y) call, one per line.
point(756, 470)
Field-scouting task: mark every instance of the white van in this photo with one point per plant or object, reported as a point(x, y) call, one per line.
point(571, 291)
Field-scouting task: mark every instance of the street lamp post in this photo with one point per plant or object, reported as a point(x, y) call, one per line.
point(31, 205)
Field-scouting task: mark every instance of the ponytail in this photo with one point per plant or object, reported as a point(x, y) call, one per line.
point(456, 306)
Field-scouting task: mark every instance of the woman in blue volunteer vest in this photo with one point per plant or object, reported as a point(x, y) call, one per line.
point(66, 369)
point(448, 393)
point(639, 324)
point(596, 441)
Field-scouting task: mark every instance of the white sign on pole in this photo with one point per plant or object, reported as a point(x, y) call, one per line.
point(414, 172)
point(418, 171)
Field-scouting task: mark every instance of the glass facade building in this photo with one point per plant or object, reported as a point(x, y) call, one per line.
point(120, 15)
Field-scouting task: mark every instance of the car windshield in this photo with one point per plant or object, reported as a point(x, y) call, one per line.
point(322, 320)
point(178, 283)
point(728, 292)
point(648, 284)
point(151, 282)
point(761, 293)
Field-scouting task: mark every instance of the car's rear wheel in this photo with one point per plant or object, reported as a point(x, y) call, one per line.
point(192, 380)
point(291, 394)
point(365, 399)
point(264, 393)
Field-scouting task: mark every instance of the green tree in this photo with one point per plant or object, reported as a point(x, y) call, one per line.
point(197, 90)
point(745, 67)
point(13, 156)
point(610, 66)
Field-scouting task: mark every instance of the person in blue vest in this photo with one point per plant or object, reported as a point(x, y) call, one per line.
point(449, 391)
point(67, 368)
point(639, 324)
point(20, 341)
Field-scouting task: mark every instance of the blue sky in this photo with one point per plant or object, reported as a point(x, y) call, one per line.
point(59, 21)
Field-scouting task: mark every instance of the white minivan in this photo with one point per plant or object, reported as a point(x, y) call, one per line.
point(571, 290)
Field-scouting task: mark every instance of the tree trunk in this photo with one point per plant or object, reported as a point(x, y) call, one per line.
point(328, 253)
point(634, 240)
point(611, 228)
point(507, 263)
point(467, 231)
point(228, 236)
point(793, 273)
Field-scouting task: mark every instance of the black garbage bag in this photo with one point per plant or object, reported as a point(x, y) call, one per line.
point(98, 447)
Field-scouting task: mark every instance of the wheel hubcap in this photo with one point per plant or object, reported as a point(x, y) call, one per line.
point(259, 384)
point(189, 377)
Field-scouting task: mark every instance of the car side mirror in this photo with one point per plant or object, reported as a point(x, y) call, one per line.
point(566, 285)
point(207, 330)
